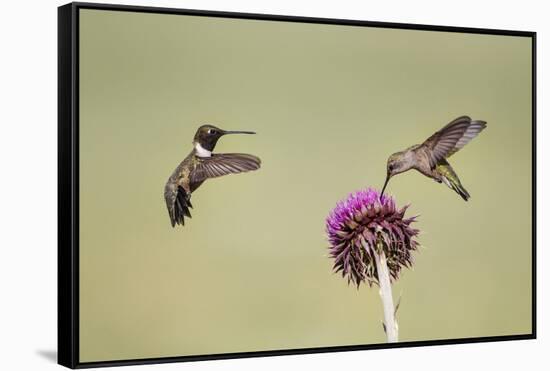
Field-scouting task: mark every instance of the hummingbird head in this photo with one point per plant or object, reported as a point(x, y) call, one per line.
point(396, 165)
point(207, 136)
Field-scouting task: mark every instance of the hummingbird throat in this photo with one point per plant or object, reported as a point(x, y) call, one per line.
point(202, 152)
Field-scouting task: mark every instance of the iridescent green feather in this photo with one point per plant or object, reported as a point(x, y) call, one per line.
point(451, 179)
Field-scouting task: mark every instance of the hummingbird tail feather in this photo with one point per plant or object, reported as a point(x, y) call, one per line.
point(181, 207)
point(450, 178)
point(458, 188)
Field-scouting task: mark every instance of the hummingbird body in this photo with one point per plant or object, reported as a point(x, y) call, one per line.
point(430, 157)
point(199, 165)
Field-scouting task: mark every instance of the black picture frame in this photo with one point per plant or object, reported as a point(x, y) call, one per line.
point(68, 182)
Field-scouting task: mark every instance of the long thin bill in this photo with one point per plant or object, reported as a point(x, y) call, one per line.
point(238, 132)
point(385, 184)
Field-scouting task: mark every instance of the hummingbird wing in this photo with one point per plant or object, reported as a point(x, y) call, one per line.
point(451, 138)
point(220, 164)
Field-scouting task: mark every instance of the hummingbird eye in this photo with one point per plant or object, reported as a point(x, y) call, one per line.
point(390, 167)
point(211, 131)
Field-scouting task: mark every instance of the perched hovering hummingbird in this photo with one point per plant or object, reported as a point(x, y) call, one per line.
point(430, 157)
point(202, 164)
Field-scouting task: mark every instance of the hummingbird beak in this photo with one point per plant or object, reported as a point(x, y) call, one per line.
point(388, 176)
point(238, 132)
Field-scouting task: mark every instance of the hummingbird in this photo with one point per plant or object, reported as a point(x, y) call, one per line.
point(430, 157)
point(202, 164)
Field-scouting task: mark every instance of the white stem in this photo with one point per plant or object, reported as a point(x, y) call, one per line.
point(386, 295)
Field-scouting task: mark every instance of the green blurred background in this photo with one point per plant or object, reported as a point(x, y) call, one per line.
point(330, 103)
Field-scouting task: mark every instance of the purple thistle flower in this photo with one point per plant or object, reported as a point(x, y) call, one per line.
point(363, 223)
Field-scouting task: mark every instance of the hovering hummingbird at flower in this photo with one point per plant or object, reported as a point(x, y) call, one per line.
point(430, 157)
point(202, 164)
